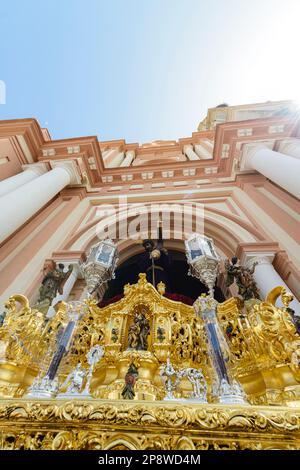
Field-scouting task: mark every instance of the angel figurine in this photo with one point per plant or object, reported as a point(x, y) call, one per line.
point(75, 380)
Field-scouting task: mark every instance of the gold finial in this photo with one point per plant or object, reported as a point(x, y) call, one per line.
point(142, 278)
point(161, 287)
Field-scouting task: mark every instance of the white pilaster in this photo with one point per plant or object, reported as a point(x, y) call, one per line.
point(30, 173)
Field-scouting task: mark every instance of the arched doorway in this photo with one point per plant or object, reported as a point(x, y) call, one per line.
point(182, 286)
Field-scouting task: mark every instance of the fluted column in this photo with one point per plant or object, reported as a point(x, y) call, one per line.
point(278, 167)
point(22, 203)
point(266, 277)
point(30, 173)
point(189, 151)
point(67, 288)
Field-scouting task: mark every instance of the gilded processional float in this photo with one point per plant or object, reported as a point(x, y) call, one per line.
point(148, 372)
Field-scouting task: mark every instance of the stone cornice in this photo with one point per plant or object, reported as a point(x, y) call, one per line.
point(76, 256)
point(29, 129)
point(264, 249)
point(87, 151)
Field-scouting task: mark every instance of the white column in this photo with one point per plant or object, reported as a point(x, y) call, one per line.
point(22, 203)
point(116, 161)
point(130, 155)
point(30, 173)
point(279, 168)
point(266, 277)
point(113, 157)
point(202, 152)
point(290, 147)
point(189, 151)
point(68, 286)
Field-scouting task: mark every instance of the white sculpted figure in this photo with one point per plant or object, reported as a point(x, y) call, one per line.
point(167, 371)
point(75, 379)
point(196, 378)
point(198, 382)
point(80, 375)
point(94, 355)
point(293, 349)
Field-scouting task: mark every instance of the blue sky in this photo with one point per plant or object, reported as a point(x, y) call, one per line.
point(143, 69)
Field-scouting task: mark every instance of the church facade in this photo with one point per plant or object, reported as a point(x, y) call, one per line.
point(236, 182)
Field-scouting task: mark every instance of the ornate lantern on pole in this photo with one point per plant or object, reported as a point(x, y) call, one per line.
point(203, 260)
point(100, 265)
point(204, 265)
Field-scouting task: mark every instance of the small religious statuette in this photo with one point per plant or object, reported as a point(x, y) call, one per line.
point(52, 283)
point(133, 334)
point(80, 375)
point(114, 334)
point(170, 378)
point(94, 355)
point(198, 382)
point(243, 277)
point(130, 380)
point(75, 380)
point(138, 332)
point(161, 334)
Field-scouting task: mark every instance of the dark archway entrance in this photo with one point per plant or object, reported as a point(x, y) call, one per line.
point(180, 282)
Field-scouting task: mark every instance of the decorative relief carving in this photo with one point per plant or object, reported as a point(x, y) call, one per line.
point(247, 428)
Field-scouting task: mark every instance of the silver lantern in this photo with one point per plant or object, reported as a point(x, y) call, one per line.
point(100, 265)
point(203, 260)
